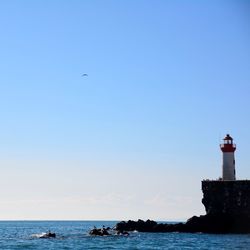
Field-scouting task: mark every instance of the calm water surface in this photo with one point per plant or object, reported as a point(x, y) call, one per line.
point(74, 235)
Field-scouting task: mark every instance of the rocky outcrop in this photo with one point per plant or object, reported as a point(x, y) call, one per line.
point(149, 226)
point(100, 231)
point(230, 198)
point(203, 224)
point(47, 235)
point(107, 232)
point(227, 205)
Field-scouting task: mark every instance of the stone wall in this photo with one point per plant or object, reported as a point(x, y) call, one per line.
point(227, 197)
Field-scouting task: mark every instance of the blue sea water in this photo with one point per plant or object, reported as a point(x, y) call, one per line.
point(74, 235)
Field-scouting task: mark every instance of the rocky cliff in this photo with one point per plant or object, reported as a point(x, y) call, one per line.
point(230, 198)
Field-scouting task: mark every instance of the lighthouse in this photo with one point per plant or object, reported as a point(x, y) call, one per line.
point(228, 164)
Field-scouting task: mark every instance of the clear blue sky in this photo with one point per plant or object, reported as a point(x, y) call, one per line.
point(166, 81)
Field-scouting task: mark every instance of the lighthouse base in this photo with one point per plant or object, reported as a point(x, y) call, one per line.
point(230, 198)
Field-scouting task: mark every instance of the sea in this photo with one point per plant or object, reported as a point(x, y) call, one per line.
point(74, 235)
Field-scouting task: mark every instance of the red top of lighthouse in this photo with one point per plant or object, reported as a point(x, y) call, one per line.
point(228, 145)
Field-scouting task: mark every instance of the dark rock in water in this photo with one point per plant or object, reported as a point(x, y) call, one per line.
point(219, 223)
point(100, 231)
point(107, 231)
point(227, 205)
point(204, 224)
point(140, 226)
point(47, 235)
point(148, 226)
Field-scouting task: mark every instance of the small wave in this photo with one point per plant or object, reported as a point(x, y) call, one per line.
point(38, 235)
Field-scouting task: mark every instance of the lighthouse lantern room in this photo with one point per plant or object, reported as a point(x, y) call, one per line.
point(228, 165)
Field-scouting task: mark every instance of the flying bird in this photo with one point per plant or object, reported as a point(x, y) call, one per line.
point(84, 74)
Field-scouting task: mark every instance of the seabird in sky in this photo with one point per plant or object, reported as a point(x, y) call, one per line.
point(84, 74)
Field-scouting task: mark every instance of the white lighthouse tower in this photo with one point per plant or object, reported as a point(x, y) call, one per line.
point(228, 166)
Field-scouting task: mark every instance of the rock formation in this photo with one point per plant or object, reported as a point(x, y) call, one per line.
point(227, 205)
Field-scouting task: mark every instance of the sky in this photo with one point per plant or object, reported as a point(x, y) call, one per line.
point(167, 80)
